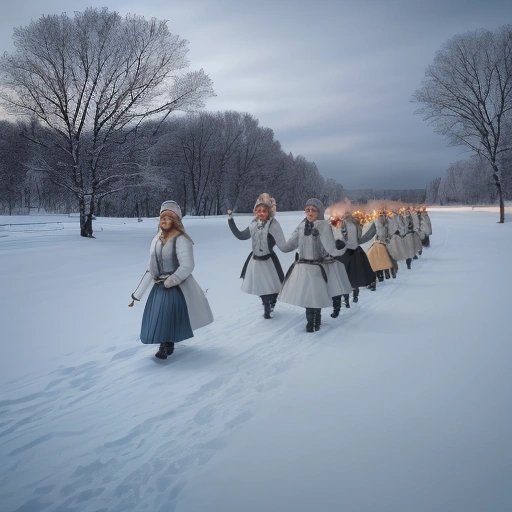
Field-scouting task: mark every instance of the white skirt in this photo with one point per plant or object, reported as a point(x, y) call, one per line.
point(397, 248)
point(305, 287)
point(261, 278)
point(417, 242)
point(338, 282)
point(410, 244)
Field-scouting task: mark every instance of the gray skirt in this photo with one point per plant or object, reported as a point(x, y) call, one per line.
point(165, 316)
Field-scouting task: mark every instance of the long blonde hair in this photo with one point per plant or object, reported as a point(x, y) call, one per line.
point(176, 224)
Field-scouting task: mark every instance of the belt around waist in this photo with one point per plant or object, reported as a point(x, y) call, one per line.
point(261, 258)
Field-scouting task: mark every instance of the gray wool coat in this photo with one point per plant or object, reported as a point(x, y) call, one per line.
point(175, 258)
point(261, 275)
point(306, 284)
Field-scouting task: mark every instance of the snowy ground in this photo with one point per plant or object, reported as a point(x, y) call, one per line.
point(401, 404)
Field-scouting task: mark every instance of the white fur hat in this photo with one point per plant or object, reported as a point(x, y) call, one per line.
point(268, 201)
point(173, 206)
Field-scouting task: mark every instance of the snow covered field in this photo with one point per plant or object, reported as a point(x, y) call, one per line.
point(400, 404)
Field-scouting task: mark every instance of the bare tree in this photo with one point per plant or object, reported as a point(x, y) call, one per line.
point(465, 182)
point(333, 192)
point(432, 193)
point(13, 171)
point(250, 167)
point(90, 80)
point(467, 95)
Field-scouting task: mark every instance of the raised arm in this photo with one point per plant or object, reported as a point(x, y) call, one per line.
point(241, 235)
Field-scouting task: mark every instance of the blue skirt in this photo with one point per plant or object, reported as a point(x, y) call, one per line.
point(165, 316)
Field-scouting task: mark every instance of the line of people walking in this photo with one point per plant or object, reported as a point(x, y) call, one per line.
point(329, 264)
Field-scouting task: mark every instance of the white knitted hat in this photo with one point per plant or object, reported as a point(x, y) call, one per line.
point(173, 206)
point(317, 204)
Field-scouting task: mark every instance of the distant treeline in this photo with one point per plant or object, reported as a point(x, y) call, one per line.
point(470, 181)
point(208, 162)
point(411, 196)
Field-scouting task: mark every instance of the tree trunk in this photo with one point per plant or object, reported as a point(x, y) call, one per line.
point(86, 214)
point(39, 199)
point(98, 207)
point(88, 224)
point(502, 205)
point(28, 199)
point(497, 181)
point(81, 211)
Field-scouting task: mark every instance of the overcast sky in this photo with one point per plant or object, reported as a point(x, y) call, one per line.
point(333, 79)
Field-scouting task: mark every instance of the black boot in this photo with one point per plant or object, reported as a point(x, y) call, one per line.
point(336, 306)
point(165, 349)
point(420, 252)
point(266, 306)
point(386, 273)
point(345, 298)
point(355, 294)
point(318, 318)
point(408, 261)
point(162, 352)
point(273, 300)
point(393, 273)
point(310, 317)
point(415, 257)
point(380, 276)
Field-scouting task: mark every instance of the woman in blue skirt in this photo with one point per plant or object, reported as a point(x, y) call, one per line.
point(176, 304)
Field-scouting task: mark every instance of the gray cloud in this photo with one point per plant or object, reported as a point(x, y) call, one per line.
point(334, 79)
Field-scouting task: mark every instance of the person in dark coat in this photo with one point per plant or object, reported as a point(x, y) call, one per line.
point(355, 260)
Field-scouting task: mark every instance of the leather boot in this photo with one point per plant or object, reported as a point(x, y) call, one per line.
point(273, 300)
point(310, 317)
point(355, 294)
point(164, 350)
point(393, 273)
point(346, 299)
point(336, 306)
point(386, 273)
point(373, 286)
point(318, 318)
point(380, 276)
point(408, 261)
point(266, 306)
